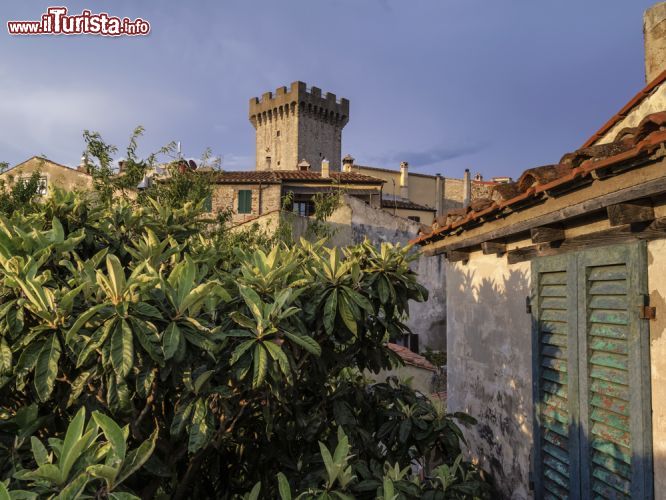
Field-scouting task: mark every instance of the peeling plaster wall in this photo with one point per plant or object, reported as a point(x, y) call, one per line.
point(355, 220)
point(657, 288)
point(489, 365)
point(427, 319)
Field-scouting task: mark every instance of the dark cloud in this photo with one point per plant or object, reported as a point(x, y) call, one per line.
point(430, 157)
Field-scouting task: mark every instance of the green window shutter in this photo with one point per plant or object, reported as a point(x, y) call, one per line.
point(244, 201)
point(208, 203)
point(555, 382)
point(616, 456)
point(591, 375)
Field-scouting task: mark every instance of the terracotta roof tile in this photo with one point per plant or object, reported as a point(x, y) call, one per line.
point(541, 175)
point(406, 204)
point(573, 169)
point(412, 358)
point(279, 176)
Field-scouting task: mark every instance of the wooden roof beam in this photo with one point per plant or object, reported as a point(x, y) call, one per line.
point(631, 212)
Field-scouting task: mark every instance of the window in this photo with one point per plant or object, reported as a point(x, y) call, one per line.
point(304, 208)
point(415, 218)
point(278, 133)
point(245, 201)
point(592, 378)
point(42, 185)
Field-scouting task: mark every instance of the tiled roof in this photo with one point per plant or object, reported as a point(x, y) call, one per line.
point(50, 162)
point(280, 176)
point(637, 99)
point(411, 358)
point(406, 204)
point(394, 171)
point(574, 170)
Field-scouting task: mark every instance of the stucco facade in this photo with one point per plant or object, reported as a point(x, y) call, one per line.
point(422, 188)
point(657, 289)
point(54, 174)
point(489, 365)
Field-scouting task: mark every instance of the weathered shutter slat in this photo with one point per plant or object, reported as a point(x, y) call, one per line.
point(609, 428)
point(591, 375)
point(553, 395)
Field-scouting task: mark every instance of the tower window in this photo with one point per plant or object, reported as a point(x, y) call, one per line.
point(278, 133)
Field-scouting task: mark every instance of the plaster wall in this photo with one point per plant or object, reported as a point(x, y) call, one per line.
point(489, 365)
point(657, 289)
point(426, 218)
point(418, 378)
point(653, 103)
point(422, 188)
point(354, 221)
point(56, 175)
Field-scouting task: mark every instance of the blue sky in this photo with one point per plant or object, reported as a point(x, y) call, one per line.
point(496, 86)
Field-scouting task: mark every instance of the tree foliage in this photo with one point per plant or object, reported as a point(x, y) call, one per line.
point(211, 370)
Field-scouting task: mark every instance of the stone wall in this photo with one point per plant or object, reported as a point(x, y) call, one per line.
point(226, 195)
point(489, 365)
point(654, 31)
point(453, 194)
point(295, 124)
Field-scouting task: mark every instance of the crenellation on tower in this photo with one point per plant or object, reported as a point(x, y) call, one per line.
point(298, 123)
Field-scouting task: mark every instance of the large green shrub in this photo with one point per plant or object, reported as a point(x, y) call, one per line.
point(240, 366)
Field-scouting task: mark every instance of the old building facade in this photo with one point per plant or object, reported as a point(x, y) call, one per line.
point(555, 339)
point(52, 175)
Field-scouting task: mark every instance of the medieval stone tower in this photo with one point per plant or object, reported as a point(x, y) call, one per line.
point(298, 124)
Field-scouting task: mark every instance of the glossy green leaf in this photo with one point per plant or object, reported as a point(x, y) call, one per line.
point(46, 367)
point(171, 340)
point(307, 343)
point(122, 349)
point(283, 487)
point(260, 360)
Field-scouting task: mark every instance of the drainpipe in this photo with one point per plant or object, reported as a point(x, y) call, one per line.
point(467, 189)
point(438, 194)
point(261, 190)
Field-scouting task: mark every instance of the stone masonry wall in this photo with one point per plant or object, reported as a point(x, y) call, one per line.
point(226, 195)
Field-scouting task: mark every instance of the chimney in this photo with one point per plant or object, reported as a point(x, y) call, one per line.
point(304, 165)
point(404, 180)
point(121, 165)
point(438, 195)
point(325, 169)
point(83, 166)
point(467, 189)
point(654, 34)
point(347, 163)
